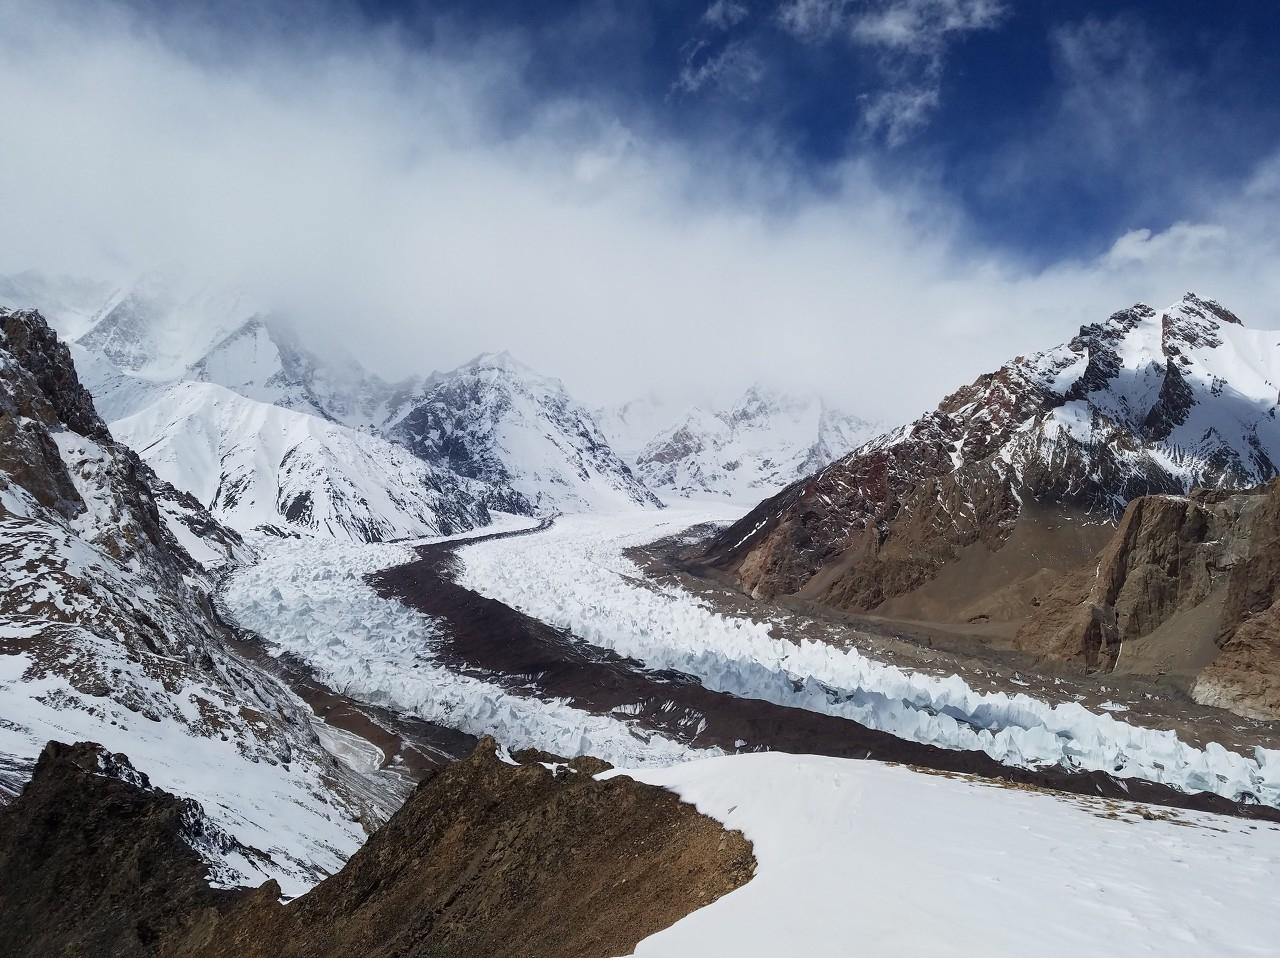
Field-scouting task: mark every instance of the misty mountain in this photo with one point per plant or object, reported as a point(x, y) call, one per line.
point(763, 442)
point(265, 359)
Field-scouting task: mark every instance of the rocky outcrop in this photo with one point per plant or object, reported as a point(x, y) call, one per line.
point(488, 857)
point(1245, 676)
point(1188, 585)
point(1146, 403)
point(94, 861)
point(1168, 554)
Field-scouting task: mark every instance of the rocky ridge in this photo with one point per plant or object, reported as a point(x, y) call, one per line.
point(109, 631)
point(485, 853)
point(1146, 402)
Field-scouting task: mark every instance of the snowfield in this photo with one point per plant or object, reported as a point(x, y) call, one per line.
point(285, 810)
point(310, 598)
point(874, 859)
point(574, 576)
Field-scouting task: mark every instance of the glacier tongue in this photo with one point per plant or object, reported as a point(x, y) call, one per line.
point(575, 576)
point(311, 600)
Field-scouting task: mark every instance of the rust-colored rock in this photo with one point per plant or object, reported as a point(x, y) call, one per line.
point(485, 858)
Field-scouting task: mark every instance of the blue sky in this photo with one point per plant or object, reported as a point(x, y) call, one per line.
point(876, 199)
point(1057, 124)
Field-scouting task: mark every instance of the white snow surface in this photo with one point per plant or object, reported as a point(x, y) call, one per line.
point(310, 599)
point(743, 453)
point(873, 859)
point(286, 811)
point(575, 576)
point(255, 464)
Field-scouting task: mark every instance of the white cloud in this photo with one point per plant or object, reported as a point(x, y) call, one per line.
point(897, 114)
point(923, 26)
point(1187, 243)
point(814, 19)
point(911, 38)
point(725, 14)
point(385, 196)
point(735, 69)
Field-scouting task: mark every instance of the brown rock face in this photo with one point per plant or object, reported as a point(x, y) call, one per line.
point(485, 858)
point(1188, 584)
point(1245, 677)
point(1079, 430)
point(1168, 555)
point(93, 862)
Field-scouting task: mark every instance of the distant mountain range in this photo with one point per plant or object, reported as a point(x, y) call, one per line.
point(228, 402)
point(761, 443)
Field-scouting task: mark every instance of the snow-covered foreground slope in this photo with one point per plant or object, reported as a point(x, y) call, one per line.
point(310, 599)
point(575, 576)
point(107, 635)
point(254, 464)
point(873, 859)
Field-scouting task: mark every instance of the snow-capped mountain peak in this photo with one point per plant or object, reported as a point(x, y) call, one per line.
point(762, 442)
point(1147, 401)
point(495, 420)
point(264, 359)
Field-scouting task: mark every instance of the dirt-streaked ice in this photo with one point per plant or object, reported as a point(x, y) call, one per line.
point(575, 576)
point(311, 599)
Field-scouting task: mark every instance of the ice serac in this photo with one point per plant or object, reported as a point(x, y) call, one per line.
point(264, 359)
point(761, 444)
point(256, 465)
point(537, 449)
point(1146, 402)
point(107, 631)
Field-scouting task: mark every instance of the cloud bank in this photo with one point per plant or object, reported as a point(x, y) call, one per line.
point(418, 206)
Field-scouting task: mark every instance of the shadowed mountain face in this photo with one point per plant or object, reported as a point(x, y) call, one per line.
point(1146, 402)
point(539, 859)
point(535, 448)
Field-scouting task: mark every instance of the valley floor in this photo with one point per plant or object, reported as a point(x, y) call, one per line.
point(901, 860)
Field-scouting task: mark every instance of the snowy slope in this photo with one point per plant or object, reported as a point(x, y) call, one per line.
point(265, 360)
point(256, 465)
point(762, 443)
point(865, 858)
point(107, 634)
point(497, 421)
point(156, 327)
point(575, 576)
